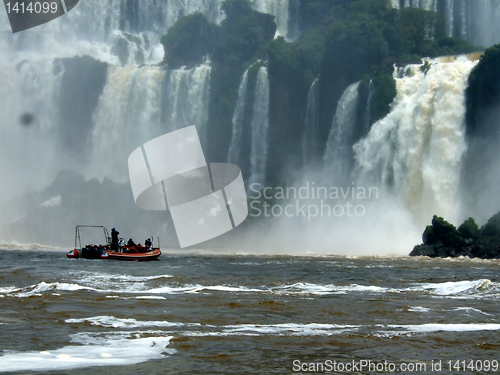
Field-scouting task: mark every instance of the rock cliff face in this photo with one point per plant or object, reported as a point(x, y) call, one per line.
point(442, 239)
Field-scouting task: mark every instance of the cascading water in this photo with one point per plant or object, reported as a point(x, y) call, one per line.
point(338, 151)
point(260, 125)
point(416, 151)
point(368, 119)
point(120, 32)
point(139, 104)
point(128, 114)
point(239, 111)
point(310, 140)
point(279, 9)
point(112, 31)
point(476, 20)
point(186, 99)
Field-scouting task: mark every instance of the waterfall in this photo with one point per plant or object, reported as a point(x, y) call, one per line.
point(139, 104)
point(108, 30)
point(416, 151)
point(449, 17)
point(260, 125)
point(310, 139)
point(186, 99)
point(126, 32)
point(128, 114)
point(368, 116)
point(238, 116)
point(428, 5)
point(338, 153)
point(279, 9)
point(476, 20)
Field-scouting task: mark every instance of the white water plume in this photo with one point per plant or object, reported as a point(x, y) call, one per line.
point(475, 20)
point(417, 150)
point(260, 125)
point(130, 110)
point(310, 140)
point(238, 117)
point(277, 8)
point(338, 148)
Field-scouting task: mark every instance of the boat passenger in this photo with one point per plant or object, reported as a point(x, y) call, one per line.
point(148, 242)
point(114, 239)
point(130, 243)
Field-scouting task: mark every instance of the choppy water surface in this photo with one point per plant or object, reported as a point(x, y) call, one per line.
point(200, 314)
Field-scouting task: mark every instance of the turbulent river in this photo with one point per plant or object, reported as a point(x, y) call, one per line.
point(198, 313)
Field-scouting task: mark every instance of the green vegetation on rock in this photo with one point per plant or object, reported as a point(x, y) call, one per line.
point(189, 40)
point(442, 239)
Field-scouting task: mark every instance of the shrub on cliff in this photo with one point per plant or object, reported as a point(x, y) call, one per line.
point(446, 232)
point(189, 40)
point(469, 229)
point(492, 228)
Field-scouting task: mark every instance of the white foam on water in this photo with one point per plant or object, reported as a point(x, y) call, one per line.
point(113, 322)
point(9, 289)
point(126, 283)
point(419, 309)
point(452, 288)
point(151, 297)
point(42, 288)
point(107, 351)
point(123, 288)
point(293, 329)
point(129, 277)
point(200, 288)
point(307, 288)
point(432, 327)
point(471, 309)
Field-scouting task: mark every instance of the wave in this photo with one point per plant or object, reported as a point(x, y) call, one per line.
point(42, 288)
point(293, 329)
point(432, 327)
point(319, 289)
point(470, 310)
point(95, 351)
point(459, 288)
point(125, 285)
point(112, 322)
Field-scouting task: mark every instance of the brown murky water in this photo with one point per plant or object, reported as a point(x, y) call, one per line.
point(208, 314)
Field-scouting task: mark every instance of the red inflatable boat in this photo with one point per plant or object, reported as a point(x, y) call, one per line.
point(137, 252)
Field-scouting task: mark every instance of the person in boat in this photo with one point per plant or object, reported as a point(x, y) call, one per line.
point(130, 243)
point(148, 242)
point(114, 239)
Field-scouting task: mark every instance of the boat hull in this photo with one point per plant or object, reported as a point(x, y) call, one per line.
point(150, 255)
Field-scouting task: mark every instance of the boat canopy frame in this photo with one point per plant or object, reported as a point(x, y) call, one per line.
point(78, 240)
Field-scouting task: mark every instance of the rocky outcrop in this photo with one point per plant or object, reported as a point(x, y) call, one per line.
point(443, 240)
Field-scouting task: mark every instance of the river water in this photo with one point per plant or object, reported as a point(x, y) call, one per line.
point(200, 313)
